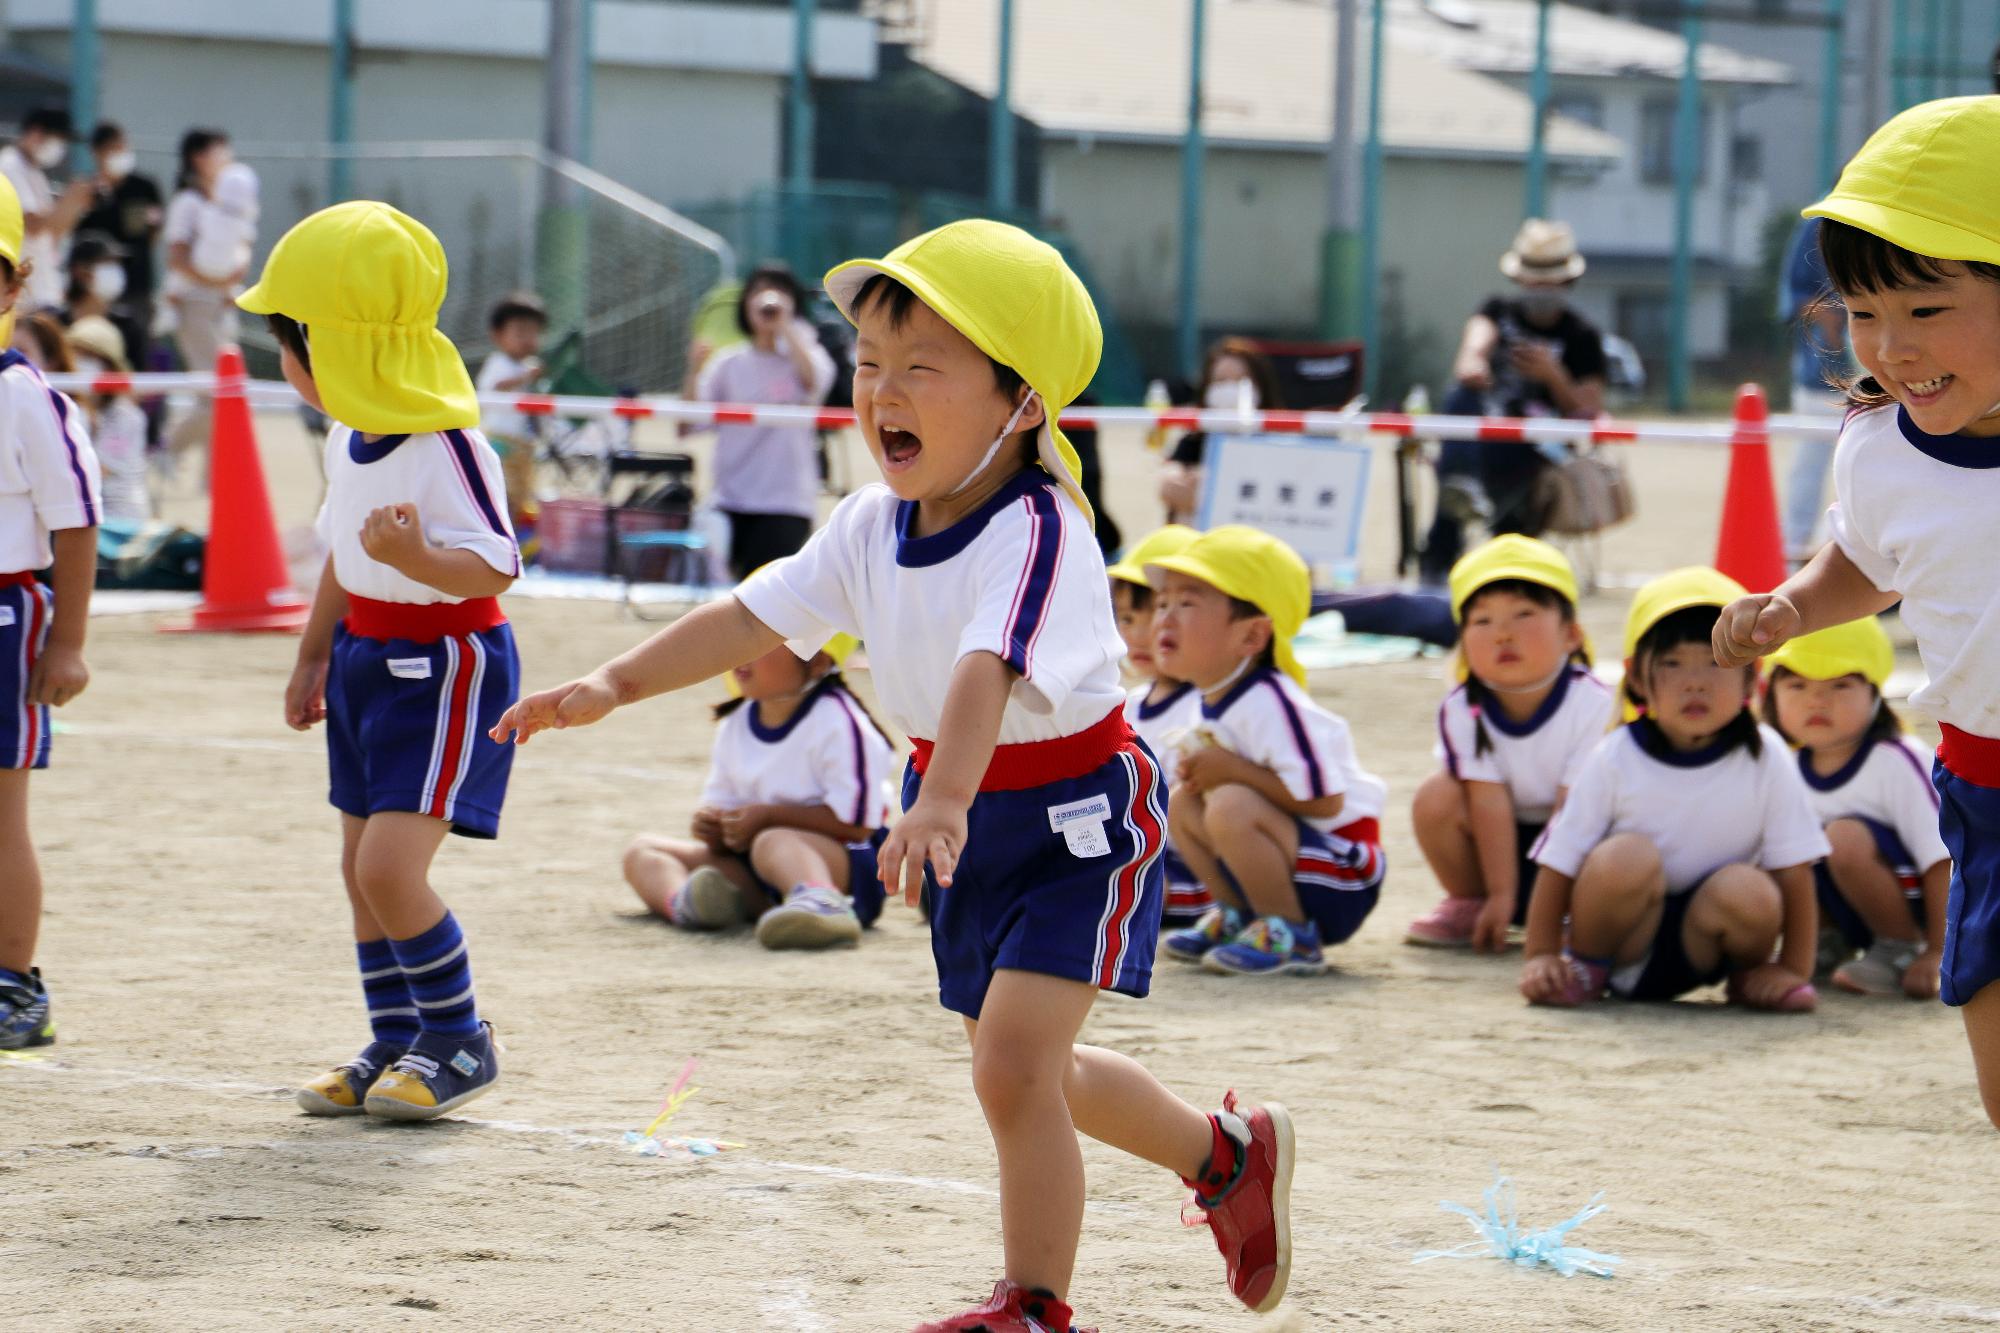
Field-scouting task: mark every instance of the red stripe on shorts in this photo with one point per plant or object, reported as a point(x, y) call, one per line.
point(31, 713)
point(1113, 940)
point(457, 724)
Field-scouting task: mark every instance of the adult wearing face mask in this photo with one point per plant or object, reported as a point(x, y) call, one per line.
point(47, 218)
point(1526, 353)
point(126, 207)
point(1234, 375)
point(96, 285)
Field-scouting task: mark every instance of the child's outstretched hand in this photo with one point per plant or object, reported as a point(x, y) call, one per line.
point(1751, 626)
point(577, 704)
point(928, 832)
point(305, 694)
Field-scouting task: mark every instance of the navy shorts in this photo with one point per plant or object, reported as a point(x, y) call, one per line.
point(1187, 897)
point(1081, 902)
point(864, 885)
point(1834, 909)
point(25, 609)
point(406, 726)
point(1338, 878)
point(1525, 838)
point(1667, 973)
point(1969, 821)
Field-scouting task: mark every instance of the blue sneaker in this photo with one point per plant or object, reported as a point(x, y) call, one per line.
point(342, 1091)
point(1215, 928)
point(1270, 946)
point(437, 1074)
point(24, 1011)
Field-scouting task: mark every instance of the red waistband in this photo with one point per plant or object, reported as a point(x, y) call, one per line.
point(18, 579)
point(421, 623)
point(1361, 830)
point(1974, 758)
point(1036, 763)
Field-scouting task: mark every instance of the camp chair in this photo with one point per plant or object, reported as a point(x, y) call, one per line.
point(649, 508)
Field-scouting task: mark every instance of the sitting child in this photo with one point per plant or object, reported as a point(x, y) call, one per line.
point(1883, 887)
point(1512, 736)
point(228, 227)
point(791, 818)
point(1684, 852)
point(1270, 807)
point(1161, 710)
point(117, 424)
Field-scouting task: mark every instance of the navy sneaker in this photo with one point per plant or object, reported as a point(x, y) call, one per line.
point(437, 1074)
point(341, 1091)
point(1270, 946)
point(24, 1012)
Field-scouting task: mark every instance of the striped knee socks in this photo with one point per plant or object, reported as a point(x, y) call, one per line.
point(391, 1014)
point(438, 973)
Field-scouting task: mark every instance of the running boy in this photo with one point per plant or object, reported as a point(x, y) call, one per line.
point(49, 508)
point(1037, 813)
point(1272, 809)
point(407, 657)
point(1912, 245)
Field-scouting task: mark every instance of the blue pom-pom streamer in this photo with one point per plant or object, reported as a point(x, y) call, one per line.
point(1501, 1236)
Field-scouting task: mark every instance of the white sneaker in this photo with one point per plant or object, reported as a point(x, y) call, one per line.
point(813, 916)
point(1880, 970)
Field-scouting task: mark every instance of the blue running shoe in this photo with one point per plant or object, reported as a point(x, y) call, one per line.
point(1215, 928)
point(437, 1074)
point(24, 1011)
point(1270, 946)
point(342, 1091)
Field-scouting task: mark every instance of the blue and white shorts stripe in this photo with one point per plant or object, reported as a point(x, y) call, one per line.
point(25, 611)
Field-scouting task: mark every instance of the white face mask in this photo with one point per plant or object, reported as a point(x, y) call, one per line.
point(107, 281)
point(119, 164)
point(50, 153)
point(993, 448)
point(1230, 396)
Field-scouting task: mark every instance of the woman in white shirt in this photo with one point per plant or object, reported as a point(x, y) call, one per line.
point(203, 305)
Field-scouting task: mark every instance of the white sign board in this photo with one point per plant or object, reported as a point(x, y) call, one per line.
point(1310, 493)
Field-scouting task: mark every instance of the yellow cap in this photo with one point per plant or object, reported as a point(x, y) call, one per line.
point(1510, 557)
point(1261, 570)
point(1170, 540)
point(12, 227)
point(1858, 648)
point(367, 280)
point(1018, 302)
point(1696, 585)
point(1926, 181)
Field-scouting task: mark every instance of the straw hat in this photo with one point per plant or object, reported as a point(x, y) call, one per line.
point(1543, 251)
point(94, 335)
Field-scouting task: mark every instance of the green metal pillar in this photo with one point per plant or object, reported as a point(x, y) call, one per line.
point(1832, 65)
point(1371, 207)
point(1900, 57)
point(1687, 167)
point(1538, 93)
point(1188, 317)
point(799, 107)
point(1952, 65)
point(340, 103)
point(1340, 244)
point(1934, 49)
point(1000, 131)
point(84, 74)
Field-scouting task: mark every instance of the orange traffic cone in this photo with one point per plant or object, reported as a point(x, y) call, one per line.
point(244, 584)
point(1750, 548)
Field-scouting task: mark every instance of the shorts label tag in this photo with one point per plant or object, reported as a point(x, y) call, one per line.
point(1082, 825)
point(6, 615)
point(410, 668)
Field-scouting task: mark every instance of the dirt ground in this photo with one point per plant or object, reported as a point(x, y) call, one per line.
point(1782, 1173)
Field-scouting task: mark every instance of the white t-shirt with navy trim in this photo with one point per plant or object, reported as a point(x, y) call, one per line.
point(1268, 719)
point(827, 753)
point(49, 478)
point(1165, 724)
point(1021, 578)
point(452, 477)
point(1702, 809)
point(1535, 759)
point(1914, 513)
point(1889, 782)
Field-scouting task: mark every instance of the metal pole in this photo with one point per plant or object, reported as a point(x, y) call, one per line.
point(1371, 208)
point(1687, 165)
point(799, 100)
point(1188, 317)
point(562, 240)
point(1830, 90)
point(1538, 93)
point(340, 103)
point(586, 80)
point(1952, 65)
point(1899, 55)
point(1000, 131)
point(1933, 52)
point(1871, 63)
point(83, 79)
point(1340, 247)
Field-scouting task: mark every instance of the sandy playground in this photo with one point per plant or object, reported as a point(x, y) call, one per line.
point(1785, 1173)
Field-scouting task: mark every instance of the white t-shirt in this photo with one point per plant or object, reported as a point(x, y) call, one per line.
point(1535, 760)
point(1890, 783)
point(452, 477)
point(120, 436)
point(45, 284)
point(827, 753)
point(1266, 718)
point(504, 421)
point(1702, 810)
point(1912, 513)
point(1020, 578)
point(1164, 724)
point(48, 471)
point(766, 469)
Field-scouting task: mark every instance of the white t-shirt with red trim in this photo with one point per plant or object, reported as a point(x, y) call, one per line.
point(1021, 578)
point(827, 753)
point(1536, 759)
point(49, 477)
point(452, 477)
point(1268, 719)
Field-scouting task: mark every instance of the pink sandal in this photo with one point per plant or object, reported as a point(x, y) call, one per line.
point(1446, 926)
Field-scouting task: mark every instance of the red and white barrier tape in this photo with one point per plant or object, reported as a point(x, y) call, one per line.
point(1497, 430)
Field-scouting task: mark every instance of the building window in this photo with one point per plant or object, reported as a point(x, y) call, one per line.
point(1656, 143)
point(1586, 107)
point(1746, 158)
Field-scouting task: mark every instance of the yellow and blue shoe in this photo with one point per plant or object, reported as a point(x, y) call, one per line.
point(439, 1073)
point(24, 1011)
point(341, 1091)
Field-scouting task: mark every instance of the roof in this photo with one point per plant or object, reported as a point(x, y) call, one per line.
point(1112, 68)
point(1498, 37)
